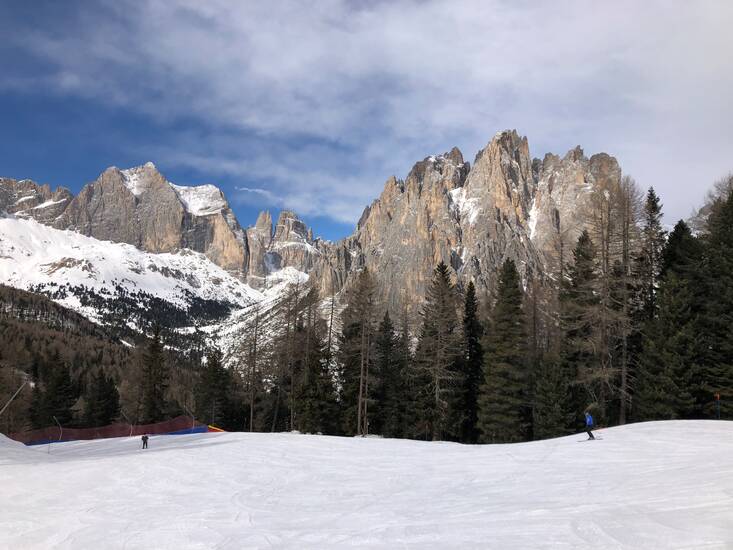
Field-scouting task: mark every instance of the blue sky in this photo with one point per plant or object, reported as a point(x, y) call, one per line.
point(312, 105)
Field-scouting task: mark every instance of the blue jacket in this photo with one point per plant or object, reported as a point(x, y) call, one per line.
point(588, 420)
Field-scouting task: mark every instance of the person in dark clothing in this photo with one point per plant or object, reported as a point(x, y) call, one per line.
point(145, 441)
point(589, 425)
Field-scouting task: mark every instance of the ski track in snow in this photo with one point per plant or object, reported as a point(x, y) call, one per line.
point(653, 485)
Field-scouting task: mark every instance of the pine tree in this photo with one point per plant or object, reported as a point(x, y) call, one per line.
point(154, 381)
point(213, 389)
point(102, 401)
point(59, 397)
point(551, 415)
point(649, 261)
point(355, 354)
point(436, 367)
point(580, 309)
point(315, 396)
point(668, 372)
point(473, 364)
point(391, 398)
point(716, 319)
point(504, 408)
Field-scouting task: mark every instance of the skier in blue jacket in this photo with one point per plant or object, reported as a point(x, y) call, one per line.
point(589, 425)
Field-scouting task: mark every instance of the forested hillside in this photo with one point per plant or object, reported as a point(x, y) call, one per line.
point(635, 324)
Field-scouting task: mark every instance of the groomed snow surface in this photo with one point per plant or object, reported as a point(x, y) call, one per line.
point(655, 485)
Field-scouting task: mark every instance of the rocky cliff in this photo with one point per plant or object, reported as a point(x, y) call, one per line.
point(506, 205)
point(27, 199)
point(473, 217)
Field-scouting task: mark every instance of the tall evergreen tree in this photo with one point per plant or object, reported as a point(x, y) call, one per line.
point(716, 319)
point(668, 378)
point(391, 393)
point(213, 391)
point(315, 396)
point(504, 401)
point(580, 309)
point(472, 364)
point(355, 354)
point(649, 261)
point(551, 415)
point(102, 401)
point(154, 380)
point(436, 366)
point(59, 397)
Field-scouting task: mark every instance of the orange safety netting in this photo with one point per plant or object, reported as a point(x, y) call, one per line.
point(178, 425)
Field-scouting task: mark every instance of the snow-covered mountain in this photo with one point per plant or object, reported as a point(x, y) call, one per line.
point(69, 265)
point(506, 205)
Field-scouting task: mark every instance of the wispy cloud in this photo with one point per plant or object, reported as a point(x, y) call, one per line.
point(320, 101)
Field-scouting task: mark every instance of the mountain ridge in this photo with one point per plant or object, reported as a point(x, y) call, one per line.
point(506, 205)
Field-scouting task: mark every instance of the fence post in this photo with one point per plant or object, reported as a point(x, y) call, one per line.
point(128, 422)
point(61, 429)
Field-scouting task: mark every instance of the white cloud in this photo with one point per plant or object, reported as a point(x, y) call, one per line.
point(383, 84)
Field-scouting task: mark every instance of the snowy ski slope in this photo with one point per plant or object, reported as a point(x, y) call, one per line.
point(655, 485)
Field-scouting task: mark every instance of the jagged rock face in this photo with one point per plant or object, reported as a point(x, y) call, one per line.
point(410, 228)
point(259, 239)
point(563, 201)
point(292, 245)
point(506, 206)
point(27, 199)
point(471, 217)
point(493, 209)
point(140, 207)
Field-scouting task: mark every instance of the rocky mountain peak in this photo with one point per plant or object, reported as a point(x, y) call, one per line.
point(575, 154)
point(473, 217)
point(141, 179)
point(264, 224)
point(290, 228)
point(27, 199)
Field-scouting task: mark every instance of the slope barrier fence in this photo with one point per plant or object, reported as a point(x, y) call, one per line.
point(175, 426)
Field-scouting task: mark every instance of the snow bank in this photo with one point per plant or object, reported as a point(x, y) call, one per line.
point(656, 485)
point(12, 452)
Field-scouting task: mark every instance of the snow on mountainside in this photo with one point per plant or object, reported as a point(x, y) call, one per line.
point(201, 200)
point(658, 485)
point(35, 255)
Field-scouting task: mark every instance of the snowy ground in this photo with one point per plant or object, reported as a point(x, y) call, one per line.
point(656, 485)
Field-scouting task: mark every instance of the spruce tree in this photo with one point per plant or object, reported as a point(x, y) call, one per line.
point(472, 364)
point(580, 309)
point(102, 401)
point(154, 380)
point(649, 261)
point(315, 396)
point(716, 319)
point(213, 391)
point(59, 397)
point(355, 354)
point(504, 408)
point(669, 363)
point(551, 414)
point(437, 378)
point(389, 364)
